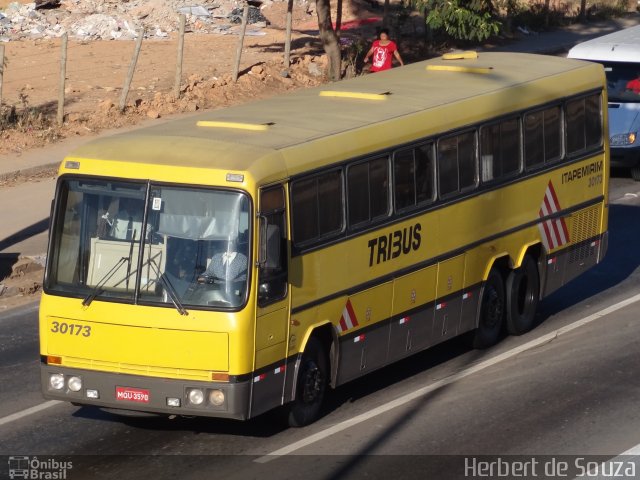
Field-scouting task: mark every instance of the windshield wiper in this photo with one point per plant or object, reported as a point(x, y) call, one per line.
point(103, 281)
point(98, 288)
point(167, 284)
point(163, 278)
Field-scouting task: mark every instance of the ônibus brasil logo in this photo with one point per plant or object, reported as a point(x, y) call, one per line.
point(38, 469)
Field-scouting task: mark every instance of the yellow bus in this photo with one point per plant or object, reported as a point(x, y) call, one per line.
point(257, 256)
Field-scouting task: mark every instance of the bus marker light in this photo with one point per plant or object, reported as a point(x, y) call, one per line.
point(440, 306)
point(71, 165)
point(280, 369)
point(470, 54)
point(53, 360)
point(173, 402)
point(74, 384)
point(235, 177)
point(235, 125)
point(456, 68)
point(259, 377)
point(196, 396)
point(216, 397)
point(356, 95)
point(56, 381)
point(219, 377)
point(92, 394)
point(466, 295)
point(359, 338)
point(403, 320)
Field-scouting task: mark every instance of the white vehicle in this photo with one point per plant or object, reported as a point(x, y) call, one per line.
point(619, 53)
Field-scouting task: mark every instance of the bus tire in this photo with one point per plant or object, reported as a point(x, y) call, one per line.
point(492, 309)
point(311, 385)
point(523, 294)
point(635, 173)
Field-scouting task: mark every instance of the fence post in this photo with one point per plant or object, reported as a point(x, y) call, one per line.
point(176, 85)
point(63, 78)
point(243, 29)
point(287, 44)
point(132, 70)
point(1, 70)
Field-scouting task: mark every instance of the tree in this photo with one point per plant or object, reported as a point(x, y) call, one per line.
point(329, 38)
point(461, 19)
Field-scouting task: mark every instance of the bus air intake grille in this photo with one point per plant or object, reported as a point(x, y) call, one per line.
point(585, 227)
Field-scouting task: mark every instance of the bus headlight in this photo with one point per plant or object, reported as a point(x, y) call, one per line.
point(623, 139)
point(216, 397)
point(74, 384)
point(56, 381)
point(196, 396)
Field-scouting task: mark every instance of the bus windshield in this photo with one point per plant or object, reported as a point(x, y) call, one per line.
point(623, 82)
point(150, 244)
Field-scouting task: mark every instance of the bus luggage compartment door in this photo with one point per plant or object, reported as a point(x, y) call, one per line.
point(363, 345)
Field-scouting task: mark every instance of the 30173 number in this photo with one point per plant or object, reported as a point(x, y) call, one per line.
point(71, 329)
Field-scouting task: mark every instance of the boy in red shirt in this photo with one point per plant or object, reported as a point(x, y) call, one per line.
point(382, 50)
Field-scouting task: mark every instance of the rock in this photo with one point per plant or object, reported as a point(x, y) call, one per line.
point(106, 105)
point(73, 117)
point(46, 4)
point(25, 265)
point(153, 114)
point(314, 70)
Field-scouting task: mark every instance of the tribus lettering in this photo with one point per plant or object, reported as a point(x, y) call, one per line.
point(400, 242)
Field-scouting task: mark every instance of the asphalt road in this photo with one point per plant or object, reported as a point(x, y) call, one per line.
point(567, 389)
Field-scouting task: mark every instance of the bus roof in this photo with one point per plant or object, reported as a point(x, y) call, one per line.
point(278, 137)
point(620, 46)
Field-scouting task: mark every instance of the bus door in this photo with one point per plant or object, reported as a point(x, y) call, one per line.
point(272, 320)
point(448, 298)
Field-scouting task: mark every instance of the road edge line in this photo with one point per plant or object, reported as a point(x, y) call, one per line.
point(443, 382)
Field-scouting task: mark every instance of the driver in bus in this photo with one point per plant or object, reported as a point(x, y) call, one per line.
point(229, 265)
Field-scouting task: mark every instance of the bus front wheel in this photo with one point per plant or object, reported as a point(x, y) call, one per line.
point(491, 312)
point(311, 385)
point(523, 293)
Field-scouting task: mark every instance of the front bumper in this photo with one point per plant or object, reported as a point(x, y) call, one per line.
point(236, 404)
point(625, 157)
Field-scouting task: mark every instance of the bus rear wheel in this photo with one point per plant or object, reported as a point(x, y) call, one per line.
point(523, 294)
point(491, 312)
point(311, 385)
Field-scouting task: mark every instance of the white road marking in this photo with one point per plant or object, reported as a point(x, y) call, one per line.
point(443, 382)
point(609, 467)
point(29, 411)
point(632, 451)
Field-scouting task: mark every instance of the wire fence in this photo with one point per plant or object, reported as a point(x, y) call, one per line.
point(69, 73)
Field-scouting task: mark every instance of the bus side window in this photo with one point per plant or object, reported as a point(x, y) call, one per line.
point(500, 149)
point(317, 207)
point(457, 163)
point(584, 123)
point(542, 137)
point(413, 177)
point(272, 274)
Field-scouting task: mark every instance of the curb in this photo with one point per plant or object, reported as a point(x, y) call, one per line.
point(28, 172)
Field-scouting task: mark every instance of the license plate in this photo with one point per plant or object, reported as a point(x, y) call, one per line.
point(129, 394)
